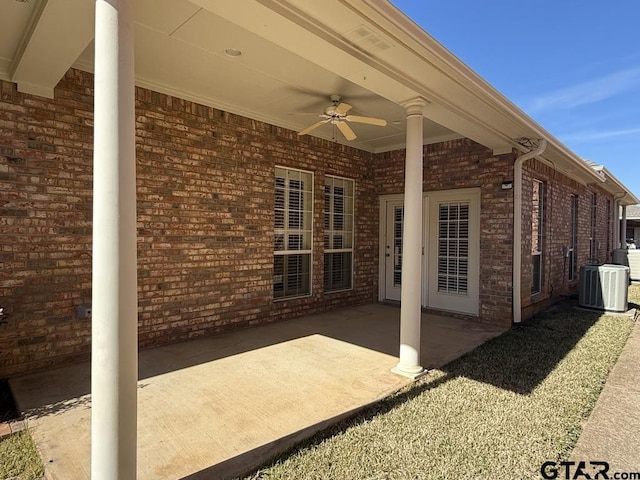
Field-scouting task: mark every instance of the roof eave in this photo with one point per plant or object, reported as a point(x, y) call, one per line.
point(464, 75)
point(617, 188)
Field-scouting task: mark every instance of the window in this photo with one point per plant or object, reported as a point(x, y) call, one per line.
point(398, 221)
point(593, 248)
point(573, 239)
point(453, 248)
point(338, 233)
point(608, 240)
point(537, 235)
point(292, 243)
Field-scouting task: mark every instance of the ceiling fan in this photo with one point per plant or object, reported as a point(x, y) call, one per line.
point(336, 114)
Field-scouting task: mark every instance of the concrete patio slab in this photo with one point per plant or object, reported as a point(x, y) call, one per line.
point(220, 406)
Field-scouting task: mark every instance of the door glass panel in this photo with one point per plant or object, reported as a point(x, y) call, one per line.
point(398, 214)
point(453, 247)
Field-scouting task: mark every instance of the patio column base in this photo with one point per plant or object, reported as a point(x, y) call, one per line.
point(413, 373)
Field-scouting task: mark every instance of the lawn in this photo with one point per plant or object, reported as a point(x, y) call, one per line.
point(19, 459)
point(499, 412)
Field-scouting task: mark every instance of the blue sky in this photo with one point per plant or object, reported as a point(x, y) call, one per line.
point(573, 66)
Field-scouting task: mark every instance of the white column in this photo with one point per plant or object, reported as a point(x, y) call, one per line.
point(411, 308)
point(623, 232)
point(114, 362)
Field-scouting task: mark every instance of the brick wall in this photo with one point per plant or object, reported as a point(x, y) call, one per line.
point(558, 191)
point(45, 222)
point(205, 221)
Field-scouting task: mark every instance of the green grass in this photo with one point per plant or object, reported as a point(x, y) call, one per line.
point(498, 412)
point(19, 459)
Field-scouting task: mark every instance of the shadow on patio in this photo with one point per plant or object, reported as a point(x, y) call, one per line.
point(218, 406)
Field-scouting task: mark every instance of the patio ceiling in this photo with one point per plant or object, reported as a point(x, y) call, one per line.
point(295, 54)
point(180, 50)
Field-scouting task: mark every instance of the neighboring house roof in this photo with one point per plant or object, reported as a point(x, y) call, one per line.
point(633, 212)
point(294, 55)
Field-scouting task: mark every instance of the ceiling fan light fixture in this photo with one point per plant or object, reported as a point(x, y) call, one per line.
point(233, 52)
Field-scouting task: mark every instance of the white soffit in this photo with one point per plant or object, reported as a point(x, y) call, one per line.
point(165, 16)
point(345, 41)
point(183, 54)
point(14, 20)
point(51, 43)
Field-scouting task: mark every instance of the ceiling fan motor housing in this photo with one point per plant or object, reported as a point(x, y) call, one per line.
point(330, 111)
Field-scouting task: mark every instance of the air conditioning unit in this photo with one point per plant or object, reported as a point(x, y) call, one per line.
point(604, 287)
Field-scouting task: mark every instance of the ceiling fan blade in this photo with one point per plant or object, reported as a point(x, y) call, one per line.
point(343, 108)
point(346, 131)
point(308, 114)
point(312, 127)
point(368, 120)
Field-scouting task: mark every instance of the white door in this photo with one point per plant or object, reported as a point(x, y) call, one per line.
point(452, 247)
point(454, 236)
point(393, 249)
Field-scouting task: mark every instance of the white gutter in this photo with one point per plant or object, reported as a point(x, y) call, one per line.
point(517, 227)
point(617, 188)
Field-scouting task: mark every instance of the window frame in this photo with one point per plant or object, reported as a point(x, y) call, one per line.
point(287, 233)
point(573, 239)
point(329, 234)
point(537, 226)
point(608, 239)
point(593, 232)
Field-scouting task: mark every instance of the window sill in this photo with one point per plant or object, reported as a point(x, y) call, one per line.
point(297, 297)
point(350, 289)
